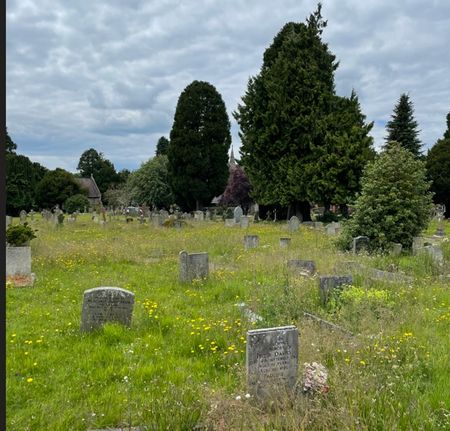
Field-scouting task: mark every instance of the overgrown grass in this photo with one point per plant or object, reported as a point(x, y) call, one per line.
point(182, 363)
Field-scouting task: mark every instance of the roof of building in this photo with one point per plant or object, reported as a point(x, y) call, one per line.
point(90, 185)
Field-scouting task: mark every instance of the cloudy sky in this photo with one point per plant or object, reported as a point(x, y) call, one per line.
point(107, 74)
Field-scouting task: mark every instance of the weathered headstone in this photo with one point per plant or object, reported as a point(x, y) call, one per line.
point(328, 283)
point(22, 217)
point(285, 242)
point(18, 261)
point(208, 215)
point(331, 229)
point(251, 241)
point(396, 249)
point(229, 222)
point(434, 251)
point(237, 214)
point(106, 304)
point(418, 243)
point(244, 222)
point(157, 220)
point(198, 215)
point(439, 212)
point(294, 224)
point(360, 244)
point(309, 224)
point(318, 225)
point(8, 221)
point(271, 361)
point(193, 266)
point(303, 267)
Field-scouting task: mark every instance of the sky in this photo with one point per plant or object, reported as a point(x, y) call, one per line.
point(107, 74)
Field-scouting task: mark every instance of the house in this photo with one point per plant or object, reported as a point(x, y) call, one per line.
point(89, 184)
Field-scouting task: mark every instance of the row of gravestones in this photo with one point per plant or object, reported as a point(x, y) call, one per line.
point(271, 353)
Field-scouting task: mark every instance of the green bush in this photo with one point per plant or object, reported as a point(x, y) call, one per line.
point(76, 202)
point(20, 234)
point(395, 203)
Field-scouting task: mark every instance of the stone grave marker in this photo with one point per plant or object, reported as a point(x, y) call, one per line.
point(360, 244)
point(8, 221)
point(193, 266)
point(22, 217)
point(309, 224)
point(251, 241)
point(418, 243)
point(293, 224)
point(434, 251)
point(318, 225)
point(199, 216)
point(244, 222)
point(303, 267)
point(157, 220)
point(271, 361)
point(329, 283)
point(106, 304)
point(439, 212)
point(229, 222)
point(208, 215)
point(396, 249)
point(285, 242)
point(237, 214)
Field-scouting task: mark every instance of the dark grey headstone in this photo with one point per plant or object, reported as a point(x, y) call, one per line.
point(329, 283)
point(303, 267)
point(251, 241)
point(360, 244)
point(271, 360)
point(193, 266)
point(106, 304)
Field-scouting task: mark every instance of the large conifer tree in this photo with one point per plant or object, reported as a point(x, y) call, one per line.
point(287, 119)
point(402, 127)
point(198, 148)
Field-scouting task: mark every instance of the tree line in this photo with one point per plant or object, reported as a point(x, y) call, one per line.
point(301, 143)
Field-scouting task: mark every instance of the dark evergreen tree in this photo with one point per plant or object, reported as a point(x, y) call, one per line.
point(55, 188)
point(199, 143)
point(10, 145)
point(94, 163)
point(402, 127)
point(340, 161)
point(283, 117)
point(162, 146)
point(438, 169)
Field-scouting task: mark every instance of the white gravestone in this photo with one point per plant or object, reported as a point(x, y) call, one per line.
point(238, 213)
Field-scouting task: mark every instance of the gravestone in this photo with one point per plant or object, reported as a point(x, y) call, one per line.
point(244, 222)
point(251, 241)
point(434, 251)
point(271, 361)
point(229, 222)
point(8, 221)
point(396, 249)
point(285, 242)
point(329, 283)
point(418, 243)
point(309, 224)
point(360, 244)
point(193, 266)
point(157, 220)
point(439, 212)
point(294, 224)
point(22, 217)
point(106, 304)
point(331, 229)
point(208, 215)
point(237, 214)
point(303, 267)
point(18, 261)
point(318, 225)
point(198, 215)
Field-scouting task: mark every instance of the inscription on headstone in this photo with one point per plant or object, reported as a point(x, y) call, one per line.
point(106, 304)
point(328, 283)
point(360, 244)
point(251, 241)
point(193, 266)
point(271, 360)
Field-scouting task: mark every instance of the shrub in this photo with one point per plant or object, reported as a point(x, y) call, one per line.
point(76, 202)
point(19, 235)
point(395, 203)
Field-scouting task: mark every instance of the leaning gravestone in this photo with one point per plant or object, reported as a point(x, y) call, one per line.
point(285, 242)
point(360, 244)
point(294, 224)
point(23, 217)
point(193, 266)
point(237, 214)
point(271, 361)
point(303, 267)
point(106, 304)
point(244, 222)
point(251, 241)
point(328, 283)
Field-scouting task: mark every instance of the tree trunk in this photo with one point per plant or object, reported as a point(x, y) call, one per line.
point(303, 209)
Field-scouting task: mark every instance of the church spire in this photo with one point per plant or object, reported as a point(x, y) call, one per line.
point(231, 161)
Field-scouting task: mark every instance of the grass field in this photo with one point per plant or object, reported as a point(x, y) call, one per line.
point(182, 363)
